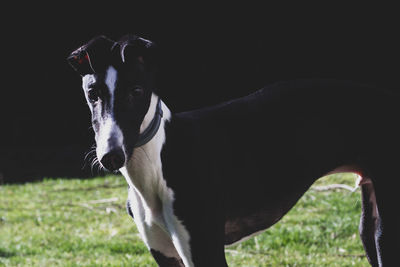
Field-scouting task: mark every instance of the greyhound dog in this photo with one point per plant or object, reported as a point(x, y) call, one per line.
point(203, 179)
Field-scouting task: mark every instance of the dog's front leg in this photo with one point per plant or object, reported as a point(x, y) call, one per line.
point(179, 235)
point(368, 221)
point(156, 238)
point(198, 239)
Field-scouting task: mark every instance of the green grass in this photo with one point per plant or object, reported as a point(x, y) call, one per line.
point(58, 223)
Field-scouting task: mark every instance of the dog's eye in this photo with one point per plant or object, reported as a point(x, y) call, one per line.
point(93, 95)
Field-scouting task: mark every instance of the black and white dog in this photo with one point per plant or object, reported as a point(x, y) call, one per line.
point(204, 179)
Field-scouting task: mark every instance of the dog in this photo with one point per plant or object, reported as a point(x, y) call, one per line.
point(203, 179)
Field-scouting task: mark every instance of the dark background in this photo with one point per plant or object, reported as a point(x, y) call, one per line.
point(208, 55)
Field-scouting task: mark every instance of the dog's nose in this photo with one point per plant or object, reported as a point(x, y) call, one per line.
point(113, 160)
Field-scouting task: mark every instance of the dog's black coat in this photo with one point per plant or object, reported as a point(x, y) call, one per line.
point(239, 167)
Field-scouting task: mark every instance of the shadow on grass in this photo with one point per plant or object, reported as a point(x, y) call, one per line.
point(6, 254)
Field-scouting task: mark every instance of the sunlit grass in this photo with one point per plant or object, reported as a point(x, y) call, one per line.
point(84, 223)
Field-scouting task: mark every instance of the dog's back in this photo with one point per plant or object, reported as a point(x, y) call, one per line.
point(268, 124)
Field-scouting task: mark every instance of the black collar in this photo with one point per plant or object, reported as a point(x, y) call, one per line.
point(153, 127)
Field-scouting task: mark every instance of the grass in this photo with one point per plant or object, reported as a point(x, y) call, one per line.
point(60, 222)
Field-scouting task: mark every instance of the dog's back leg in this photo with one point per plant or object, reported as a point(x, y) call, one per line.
point(368, 221)
point(387, 233)
point(380, 218)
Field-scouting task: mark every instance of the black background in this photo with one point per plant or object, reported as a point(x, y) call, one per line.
point(208, 54)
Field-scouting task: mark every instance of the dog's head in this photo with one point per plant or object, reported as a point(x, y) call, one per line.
point(118, 79)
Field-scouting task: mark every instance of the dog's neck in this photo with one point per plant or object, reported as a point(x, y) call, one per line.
point(151, 113)
point(143, 171)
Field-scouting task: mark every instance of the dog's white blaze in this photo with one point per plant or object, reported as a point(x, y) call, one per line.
point(110, 81)
point(154, 199)
point(110, 134)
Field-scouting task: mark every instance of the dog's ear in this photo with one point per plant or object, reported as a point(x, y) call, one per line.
point(93, 56)
point(80, 62)
point(135, 49)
